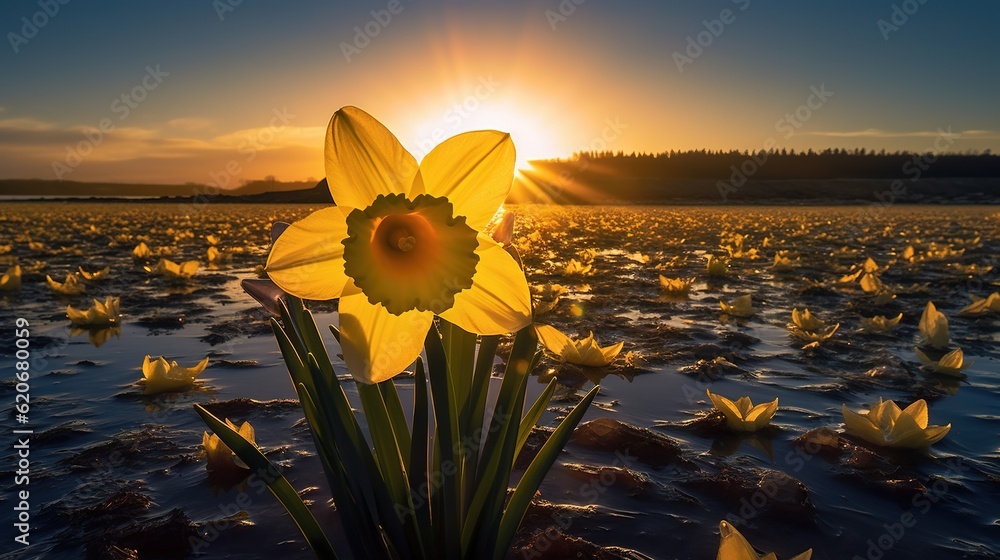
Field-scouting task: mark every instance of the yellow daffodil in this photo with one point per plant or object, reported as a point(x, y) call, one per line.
point(676, 286)
point(162, 376)
point(638, 257)
point(220, 457)
point(405, 242)
point(909, 254)
point(576, 267)
point(806, 321)
point(741, 415)
point(717, 266)
point(934, 327)
point(880, 323)
point(550, 291)
point(872, 284)
point(70, 287)
point(141, 251)
point(982, 306)
point(784, 264)
point(742, 306)
point(850, 278)
point(951, 363)
point(584, 352)
point(212, 239)
point(214, 255)
point(11, 280)
point(170, 269)
point(807, 327)
point(888, 426)
point(101, 274)
point(733, 546)
point(100, 315)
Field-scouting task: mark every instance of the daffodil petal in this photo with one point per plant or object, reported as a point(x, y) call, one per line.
point(733, 417)
point(364, 159)
point(307, 260)
point(861, 426)
point(498, 301)
point(552, 339)
point(918, 411)
point(611, 352)
point(378, 345)
point(761, 414)
point(732, 545)
point(474, 170)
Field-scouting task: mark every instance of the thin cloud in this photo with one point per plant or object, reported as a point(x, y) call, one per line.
point(878, 133)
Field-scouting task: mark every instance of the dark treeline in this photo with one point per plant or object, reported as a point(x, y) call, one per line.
point(787, 164)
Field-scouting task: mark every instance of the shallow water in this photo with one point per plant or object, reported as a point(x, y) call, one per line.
point(107, 461)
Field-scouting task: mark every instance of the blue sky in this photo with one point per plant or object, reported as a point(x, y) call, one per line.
point(560, 76)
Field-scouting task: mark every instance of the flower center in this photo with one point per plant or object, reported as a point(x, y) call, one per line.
point(410, 254)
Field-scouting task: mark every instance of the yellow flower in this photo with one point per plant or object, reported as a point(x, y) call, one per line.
point(97, 275)
point(742, 306)
point(576, 267)
point(162, 376)
point(503, 230)
point(741, 415)
point(214, 255)
point(405, 243)
point(982, 306)
point(807, 327)
point(584, 352)
point(717, 266)
point(784, 264)
point(872, 284)
point(220, 457)
point(100, 315)
point(212, 239)
point(886, 425)
point(934, 327)
point(170, 269)
point(70, 287)
point(733, 546)
point(676, 286)
point(951, 363)
point(880, 323)
point(11, 280)
point(141, 251)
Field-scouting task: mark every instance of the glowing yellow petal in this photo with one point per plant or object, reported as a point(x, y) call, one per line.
point(906, 433)
point(555, 341)
point(861, 426)
point(918, 411)
point(611, 352)
point(734, 419)
point(364, 160)
point(474, 171)
point(733, 546)
point(760, 415)
point(377, 344)
point(307, 260)
point(743, 404)
point(498, 301)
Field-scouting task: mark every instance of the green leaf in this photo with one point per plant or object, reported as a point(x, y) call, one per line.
point(535, 473)
point(394, 409)
point(533, 414)
point(276, 483)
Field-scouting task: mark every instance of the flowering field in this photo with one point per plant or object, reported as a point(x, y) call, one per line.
point(699, 299)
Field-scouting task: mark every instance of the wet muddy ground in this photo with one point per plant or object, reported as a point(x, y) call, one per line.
point(118, 474)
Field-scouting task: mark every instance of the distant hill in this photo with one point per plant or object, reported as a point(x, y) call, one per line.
point(51, 187)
